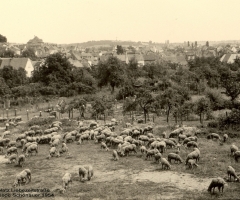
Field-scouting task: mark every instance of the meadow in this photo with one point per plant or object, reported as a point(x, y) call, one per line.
point(131, 177)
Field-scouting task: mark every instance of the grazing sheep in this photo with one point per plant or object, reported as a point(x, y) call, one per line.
point(192, 163)
point(176, 133)
point(21, 160)
point(143, 149)
point(22, 177)
point(151, 153)
point(193, 155)
point(66, 179)
point(12, 158)
point(11, 144)
point(165, 163)
point(4, 142)
point(213, 136)
point(170, 143)
point(104, 146)
point(85, 172)
point(20, 137)
point(128, 125)
point(64, 148)
point(115, 155)
point(26, 146)
point(31, 149)
point(164, 134)
point(175, 157)
point(157, 157)
point(231, 172)
point(53, 151)
point(217, 182)
point(193, 138)
point(181, 137)
point(233, 149)
point(236, 155)
point(12, 150)
point(192, 144)
point(129, 148)
point(225, 137)
point(55, 143)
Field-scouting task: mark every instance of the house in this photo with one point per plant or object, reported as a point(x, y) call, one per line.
point(75, 63)
point(16, 63)
point(180, 60)
point(138, 57)
point(229, 58)
point(150, 58)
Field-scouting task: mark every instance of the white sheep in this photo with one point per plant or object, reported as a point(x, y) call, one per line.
point(225, 137)
point(157, 157)
point(192, 163)
point(22, 177)
point(143, 149)
point(21, 160)
point(115, 155)
point(217, 182)
point(31, 148)
point(165, 163)
point(12, 158)
point(85, 172)
point(231, 172)
point(66, 179)
point(193, 155)
point(233, 149)
point(175, 157)
point(236, 155)
point(104, 146)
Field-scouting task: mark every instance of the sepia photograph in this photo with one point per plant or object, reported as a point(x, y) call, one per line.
point(119, 99)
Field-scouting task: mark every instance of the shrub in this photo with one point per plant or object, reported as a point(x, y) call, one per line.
point(40, 121)
point(213, 124)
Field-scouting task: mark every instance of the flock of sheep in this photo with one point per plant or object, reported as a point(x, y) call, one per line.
point(131, 140)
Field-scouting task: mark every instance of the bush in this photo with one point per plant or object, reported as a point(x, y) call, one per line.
point(213, 124)
point(40, 121)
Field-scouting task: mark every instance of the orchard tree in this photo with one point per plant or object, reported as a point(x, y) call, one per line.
point(145, 100)
point(99, 107)
point(202, 107)
point(29, 53)
point(110, 72)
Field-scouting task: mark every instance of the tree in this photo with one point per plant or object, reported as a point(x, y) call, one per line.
point(207, 44)
point(145, 101)
point(56, 69)
point(29, 53)
point(120, 49)
point(110, 72)
point(7, 54)
point(80, 104)
point(3, 38)
point(188, 43)
point(99, 107)
point(202, 107)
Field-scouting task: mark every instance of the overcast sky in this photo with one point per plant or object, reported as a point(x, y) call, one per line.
point(72, 21)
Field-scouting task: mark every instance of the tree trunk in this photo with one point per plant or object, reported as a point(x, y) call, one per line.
point(200, 118)
point(145, 116)
point(168, 112)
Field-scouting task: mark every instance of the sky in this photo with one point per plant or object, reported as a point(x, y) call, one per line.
point(75, 21)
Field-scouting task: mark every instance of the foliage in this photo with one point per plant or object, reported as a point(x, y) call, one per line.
point(40, 121)
point(202, 107)
point(3, 38)
point(7, 54)
point(110, 72)
point(4, 89)
point(29, 53)
point(120, 49)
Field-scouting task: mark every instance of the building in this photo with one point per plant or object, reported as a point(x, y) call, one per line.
point(35, 42)
point(16, 63)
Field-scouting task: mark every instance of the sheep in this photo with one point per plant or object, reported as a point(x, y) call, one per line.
point(129, 148)
point(192, 144)
point(143, 149)
point(115, 155)
point(99, 138)
point(192, 163)
point(225, 137)
point(31, 148)
point(21, 160)
point(11, 144)
point(213, 136)
point(164, 134)
point(22, 177)
point(12, 150)
point(161, 146)
point(157, 157)
point(193, 155)
point(53, 151)
point(104, 146)
point(176, 133)
point(175, 157)
point(143, 138)
point(27, 145)
point(69, 138)
point(217, 182)
point(165, 163)
point(236, 155)
point(233, 149)
point(151, 152)
point(55, 143)
point(170, 143)
point(181, 137)
point(128, 125)
point(20, 137)
point(4, 142)
point(64, 148)
point(66, 179)
point(6, 133)
point(173, 139)
point(12, 158)
point(85, 172)
point(231, 172)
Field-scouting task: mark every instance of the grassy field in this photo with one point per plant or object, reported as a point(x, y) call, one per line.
point(131, 177)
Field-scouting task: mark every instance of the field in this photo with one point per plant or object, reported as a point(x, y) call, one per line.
point(131, 177)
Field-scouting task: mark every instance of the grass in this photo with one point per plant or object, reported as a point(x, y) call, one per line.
point(115, 179)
